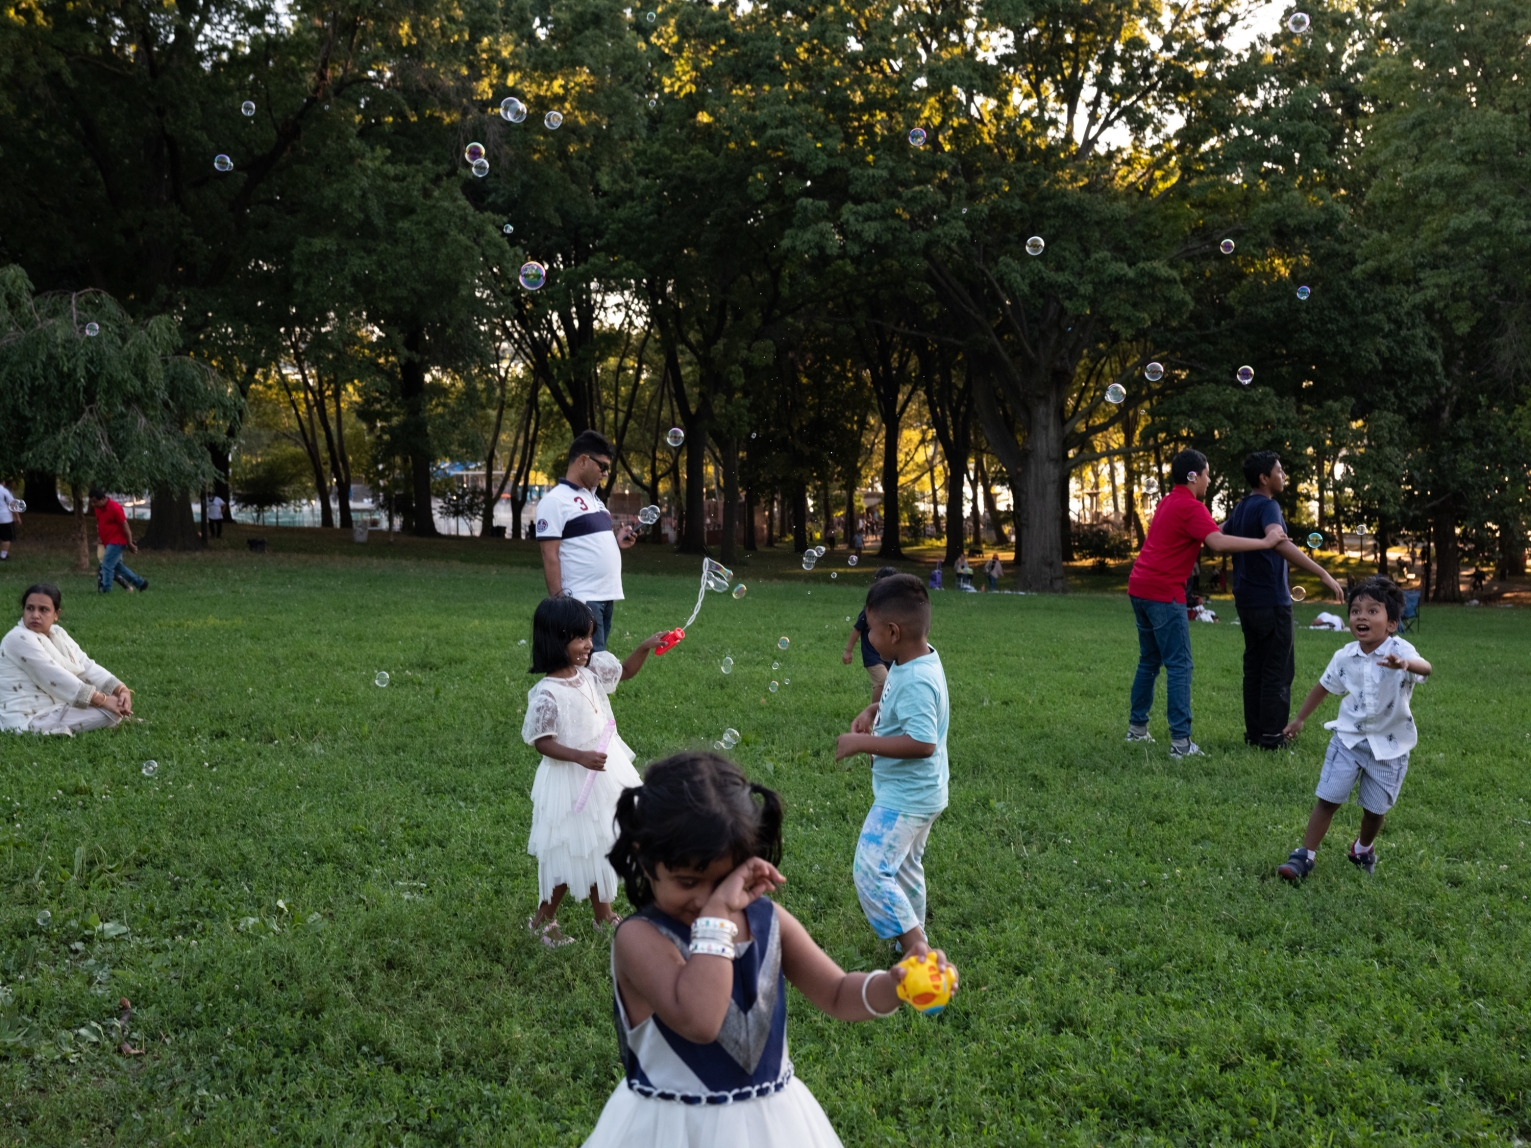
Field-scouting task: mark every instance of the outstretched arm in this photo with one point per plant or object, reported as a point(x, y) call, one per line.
point(1310, 703)
point(832, 990)
point(1230, 544)
point(640, 655)
point(1290, 551)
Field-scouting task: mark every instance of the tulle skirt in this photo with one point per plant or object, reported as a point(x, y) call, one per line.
point(571, 847)
point(790, 1118)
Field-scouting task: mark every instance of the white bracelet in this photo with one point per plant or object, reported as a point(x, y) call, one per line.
point(866, 1004)
point(713, 949)
point(715, 925)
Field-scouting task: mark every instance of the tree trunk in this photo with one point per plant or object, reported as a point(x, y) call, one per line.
point(750, 537)
point(799, 519)
point(172, 526)
point(1043, 506)
point(1381, 539)
point(40, 490)
point(82, 554)
point(1512, 549)
point(730, 547)
point(416, 435)
point(694, 538)
point(1448, 567)
point(890, 546)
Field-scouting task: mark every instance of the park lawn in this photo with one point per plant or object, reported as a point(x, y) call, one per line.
point(325, 884)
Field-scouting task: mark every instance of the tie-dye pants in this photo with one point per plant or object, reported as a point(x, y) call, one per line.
point(890, 879)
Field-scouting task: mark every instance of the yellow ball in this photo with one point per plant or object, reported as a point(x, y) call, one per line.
point(926, 986)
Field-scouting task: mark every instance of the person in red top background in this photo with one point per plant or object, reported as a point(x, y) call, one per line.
point(1181, 526)
point(114, 533)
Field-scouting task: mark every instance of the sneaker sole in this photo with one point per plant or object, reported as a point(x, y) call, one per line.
point(1290, 875)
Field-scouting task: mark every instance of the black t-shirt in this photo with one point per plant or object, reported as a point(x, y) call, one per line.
point(1259, 576)
point(869, 655)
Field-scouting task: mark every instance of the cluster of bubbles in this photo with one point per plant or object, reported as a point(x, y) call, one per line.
point(92, 329)
point(248, 107)
point(1246, 375)
point(223, 163)
point(150, 768)
point(382, 676)
point(917, 137)
point(1298, 23)
point(1116, 393)
point(648, 515)
point(1153, 372)
point(675, 436)
point(532, 275)
point(729, 739)
point(810, 558)
point(1035, 245)
point(727, 666)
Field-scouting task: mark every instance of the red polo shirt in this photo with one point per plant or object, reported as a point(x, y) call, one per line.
point(111, 523)
point(1175, 537)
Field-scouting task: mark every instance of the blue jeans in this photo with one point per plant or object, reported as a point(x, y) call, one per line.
point(1164, 639)
point(602, 612)
point(112, 565)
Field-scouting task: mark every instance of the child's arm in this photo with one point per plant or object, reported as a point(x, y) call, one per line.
point(550, 746)
point(850, 744)
point(850, 646)
point(832, 990)
point(640, 655)
point(1408, 665)
point(1310, 703)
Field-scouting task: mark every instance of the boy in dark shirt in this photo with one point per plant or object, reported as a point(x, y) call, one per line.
point(876, 668)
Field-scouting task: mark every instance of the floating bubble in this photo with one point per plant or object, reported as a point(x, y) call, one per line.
point(553, 121)
point(773, 687)
point(728, 666)
point(1246, 375)
point(782, 643)
point(917, 137)
point(1361, 530)
point(1315, 540)
point(809, 561)
point(223, 163)
point(730, 738)
point(852, 560)
point(717, 583)
point(20, 507)
point(522, 642)
point(1298, 23)
point(533, 275)
point(1116, 393)
point(675, 437)
point(1298, 593)
point(786, 681)
point(741, 590)
point(1226, 247)
point(777, 665)
point(480, 168)
point(648, 515)
point(382, 675)
point(651, 17)
point(1153, 372)
point(512, 109)
point(248, 107)
point(473, 152)
point(833, 575)
point(819, 550)
point(150, 768)
point(92, 329)
point(1303, 292)
point(1150, 485)
point(1035, 245)
point(45, 918)
point(653, 103)
point(508, 229)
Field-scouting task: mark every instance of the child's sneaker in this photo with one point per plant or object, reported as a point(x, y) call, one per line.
point(1138, 733)
point(1367, 861)
point(1185, 747)
point(1295, 867)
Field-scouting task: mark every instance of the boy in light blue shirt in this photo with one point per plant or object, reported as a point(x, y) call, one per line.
point(905, 733)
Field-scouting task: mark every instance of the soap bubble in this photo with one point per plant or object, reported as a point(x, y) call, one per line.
point(819, 550)
point(1246, 375)
point(473, 152)
point(741, 590)
point(1298, 593)
point(1360, 530)
point(786, 681)
point(248, 107)
point(508, 229)
point(717, 583)
point(45, 918)
point(675, 437)
point(150, 768)
point(382, 675)
point(1116, 393)
point(728, 666)
point(917, 137)
point(782, 643)
point(480, 168)
point(223, 163)
point(775, 666)
point(648, 515)
point(730, 738)
point(553, 121)
point(1298, 23)
point(1226, 247)
point(1035, 245)
point(809, 561)
point(653, 103)
point(852, 560)
point(1153, 372)
point(19, 505)
point(533, 275)
point(773, 687)
point(651, 17)
point(1150, 485)
point(1315, 540)
point(833, 575)
point(512, 109)
point(1303, 292)
point(92, 329)
point(522, 642)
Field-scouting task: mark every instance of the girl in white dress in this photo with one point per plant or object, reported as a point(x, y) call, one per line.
point(585, 765)
point(699, 971)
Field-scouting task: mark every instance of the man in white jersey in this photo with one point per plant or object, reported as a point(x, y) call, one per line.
point(581, 550)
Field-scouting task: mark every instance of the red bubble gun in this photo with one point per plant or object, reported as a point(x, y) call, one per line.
point(669, 641)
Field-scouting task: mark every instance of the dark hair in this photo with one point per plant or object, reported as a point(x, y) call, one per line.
point(691, 809)
point(95, 493)
point(47, 588)
point(1187, 463)
point(1260, 464)
point(1379, 589)
point(901, 595)
point(591, 442)
point(884, 572)
point(557, 622)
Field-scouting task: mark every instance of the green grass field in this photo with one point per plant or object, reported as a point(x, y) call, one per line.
point(323, 888)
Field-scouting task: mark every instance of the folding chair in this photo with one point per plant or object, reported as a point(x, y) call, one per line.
point(1410, 617)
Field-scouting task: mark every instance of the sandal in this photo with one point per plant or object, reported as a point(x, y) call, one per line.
point(548, 933)
point(611, 923)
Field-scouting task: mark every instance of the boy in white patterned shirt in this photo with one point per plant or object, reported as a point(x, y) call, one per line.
point(1376, 674)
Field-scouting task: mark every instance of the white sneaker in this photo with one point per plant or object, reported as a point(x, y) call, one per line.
point(1139, 733)
point(1185, 747)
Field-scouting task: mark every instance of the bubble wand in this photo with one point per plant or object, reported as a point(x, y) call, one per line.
point(715, 577)
point(590, 774)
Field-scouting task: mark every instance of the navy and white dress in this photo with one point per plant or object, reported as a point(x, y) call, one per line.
point(739, 1090)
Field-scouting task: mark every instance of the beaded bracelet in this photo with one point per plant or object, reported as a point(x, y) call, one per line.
point(713, 949)
point(715, 925)
point(866, 1004)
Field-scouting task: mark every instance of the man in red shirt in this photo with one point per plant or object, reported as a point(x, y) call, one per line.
point(1181, 526)
point(114, 533)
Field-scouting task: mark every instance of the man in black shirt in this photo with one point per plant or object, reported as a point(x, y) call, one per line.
point(1264, 601)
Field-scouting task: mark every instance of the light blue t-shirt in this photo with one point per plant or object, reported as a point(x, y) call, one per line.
point(914, 702)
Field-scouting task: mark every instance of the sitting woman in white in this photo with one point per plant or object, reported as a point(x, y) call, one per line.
point(47, 684)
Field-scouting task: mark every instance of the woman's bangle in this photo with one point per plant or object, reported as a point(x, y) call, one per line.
point(866, 1004)
point(713, 949)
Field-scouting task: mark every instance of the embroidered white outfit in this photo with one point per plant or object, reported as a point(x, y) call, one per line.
point(46, 684)
point(570, 846)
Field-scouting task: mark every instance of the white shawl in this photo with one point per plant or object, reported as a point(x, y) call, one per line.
point(39, 673)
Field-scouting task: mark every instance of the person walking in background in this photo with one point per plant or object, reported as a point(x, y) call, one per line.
point(995, 570)
point(1262, 596)
point(215, 507)
point(581, 549)
point(871, 661)
point(8, 513)
point(115, 534)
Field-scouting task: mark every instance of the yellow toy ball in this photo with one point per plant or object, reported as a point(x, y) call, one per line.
point(926, 986)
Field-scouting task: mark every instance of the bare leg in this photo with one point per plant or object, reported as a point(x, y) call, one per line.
point(1318, 824)
point(549, 909)
point(602, 910)
point(1371, 825)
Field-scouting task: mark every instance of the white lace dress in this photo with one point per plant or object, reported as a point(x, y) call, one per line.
point(570, 846)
